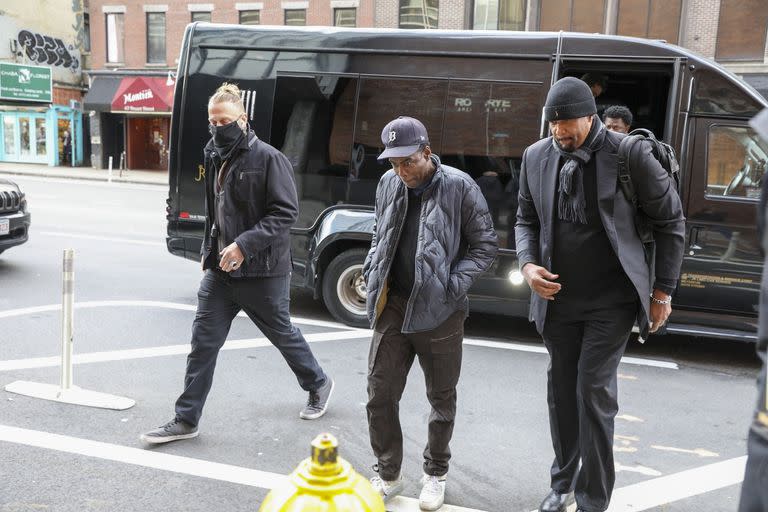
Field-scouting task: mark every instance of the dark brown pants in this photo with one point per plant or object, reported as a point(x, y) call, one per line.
point(389, 361)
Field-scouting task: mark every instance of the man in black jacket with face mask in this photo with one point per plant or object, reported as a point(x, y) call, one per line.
point(251, 204)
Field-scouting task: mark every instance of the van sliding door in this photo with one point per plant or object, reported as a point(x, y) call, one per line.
point(722, 264)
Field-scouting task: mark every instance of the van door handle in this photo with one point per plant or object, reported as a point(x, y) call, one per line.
point(693, 241)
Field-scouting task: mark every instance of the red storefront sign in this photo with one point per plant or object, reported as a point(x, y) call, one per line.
point(143, 94)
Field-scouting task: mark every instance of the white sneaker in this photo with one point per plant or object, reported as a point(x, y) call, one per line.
point(387, 489)
point(433, 493)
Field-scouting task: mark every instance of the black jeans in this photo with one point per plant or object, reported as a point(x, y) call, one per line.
point(585, 347)
point(389, 361)
point(754, 491)
point(266, 302)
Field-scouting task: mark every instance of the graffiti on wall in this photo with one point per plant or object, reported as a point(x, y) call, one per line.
point(48, 50)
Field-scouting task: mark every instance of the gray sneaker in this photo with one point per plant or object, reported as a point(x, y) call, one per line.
point(317, 403)
point(172, 431)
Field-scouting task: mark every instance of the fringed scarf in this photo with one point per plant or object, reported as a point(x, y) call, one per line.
point(571, 204)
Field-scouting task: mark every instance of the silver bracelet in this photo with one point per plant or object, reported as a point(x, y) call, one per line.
point(659, 301)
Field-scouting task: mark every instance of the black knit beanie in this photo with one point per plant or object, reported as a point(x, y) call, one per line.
point(569, 98)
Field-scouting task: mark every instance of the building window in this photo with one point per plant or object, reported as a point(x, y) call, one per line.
point(295, 16)
point(346, 17)
point(86, 32)
point(572, 15)
point(202, 16)
point(418, 13)
point(250, 17)
point(156, 38)
point(115, 37)
point(654, 19)
point(741, 30)
point(499, 15)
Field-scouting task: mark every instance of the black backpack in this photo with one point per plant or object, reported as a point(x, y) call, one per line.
point(664, 153)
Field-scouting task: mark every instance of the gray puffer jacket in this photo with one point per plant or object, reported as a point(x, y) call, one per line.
point(456, 243)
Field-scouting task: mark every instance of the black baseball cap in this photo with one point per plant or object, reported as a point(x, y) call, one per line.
point(402, 137)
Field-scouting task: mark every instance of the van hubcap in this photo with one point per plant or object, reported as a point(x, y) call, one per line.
point(350, 289)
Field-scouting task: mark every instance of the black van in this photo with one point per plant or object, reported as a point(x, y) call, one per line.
point(322, 96)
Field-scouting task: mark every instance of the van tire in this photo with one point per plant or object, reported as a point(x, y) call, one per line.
point(344, 289)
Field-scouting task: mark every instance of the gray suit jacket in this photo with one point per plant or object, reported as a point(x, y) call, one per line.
point(657, 197)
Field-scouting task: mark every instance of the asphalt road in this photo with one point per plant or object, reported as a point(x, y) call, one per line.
point(685, 403)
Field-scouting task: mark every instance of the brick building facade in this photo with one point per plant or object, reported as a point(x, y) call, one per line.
point(136, 43)
point(42, 123)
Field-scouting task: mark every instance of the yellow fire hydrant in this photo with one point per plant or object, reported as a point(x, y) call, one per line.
point(324, 483)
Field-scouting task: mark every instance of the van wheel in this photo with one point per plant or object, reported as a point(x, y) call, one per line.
point(344, 289)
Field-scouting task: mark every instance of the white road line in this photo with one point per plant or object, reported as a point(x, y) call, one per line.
point(158, 304)
point(666, 489)
point(95, 183)
point(542, 350)
point(308, 321)
point(116, 211)
point(630, 418)
point(632, 498)
point(139, 457)
point(636, 469)
point(174, 463)
point(403, 504)
point(103, 238)
point(701, 452)
point(168, 350)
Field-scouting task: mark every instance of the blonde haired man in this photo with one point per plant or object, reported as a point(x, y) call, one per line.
point(251, 204)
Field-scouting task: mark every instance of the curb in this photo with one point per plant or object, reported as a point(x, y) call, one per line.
point(137, 181)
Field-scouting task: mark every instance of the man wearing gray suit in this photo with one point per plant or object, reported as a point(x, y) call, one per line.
point(580, 253)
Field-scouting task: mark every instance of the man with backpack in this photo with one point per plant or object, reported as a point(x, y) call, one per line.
point(592, 278)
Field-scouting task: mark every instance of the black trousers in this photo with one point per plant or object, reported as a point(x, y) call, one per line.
point(389, 361)
point(266, 301)
point(585, 347)
point(754, 491)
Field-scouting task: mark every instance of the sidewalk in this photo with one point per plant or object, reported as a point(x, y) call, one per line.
point(84, 173)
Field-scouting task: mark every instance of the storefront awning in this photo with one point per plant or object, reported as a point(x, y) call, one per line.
point(143, 94)
point(99, 96)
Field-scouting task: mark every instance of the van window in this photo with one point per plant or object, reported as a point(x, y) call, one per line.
point(736, 160)
point(487, 127)
point(312, 126)
point(380, 101)
point(717, 94)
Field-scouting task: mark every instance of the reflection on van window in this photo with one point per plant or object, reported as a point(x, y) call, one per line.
point(486, 129)
point(736, 160)
point(312, 126)
point(330, 126)
point(380, 101)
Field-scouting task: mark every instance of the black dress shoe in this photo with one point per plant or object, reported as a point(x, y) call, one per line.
point(554, 502)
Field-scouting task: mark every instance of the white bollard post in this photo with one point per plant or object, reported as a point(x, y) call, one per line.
point(67, 317)
point(109, 179)
point(66, 392)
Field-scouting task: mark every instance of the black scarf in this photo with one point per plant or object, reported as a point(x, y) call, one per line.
point(571, 204)
point(225, 140)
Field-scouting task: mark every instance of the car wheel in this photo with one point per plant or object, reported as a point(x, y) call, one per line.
point(344, 290)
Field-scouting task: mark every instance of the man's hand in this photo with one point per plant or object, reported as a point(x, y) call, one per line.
point(231, 258)
point(659, 312)
point(541, 281)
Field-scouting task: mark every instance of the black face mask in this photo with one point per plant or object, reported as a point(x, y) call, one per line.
point(226, 138)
